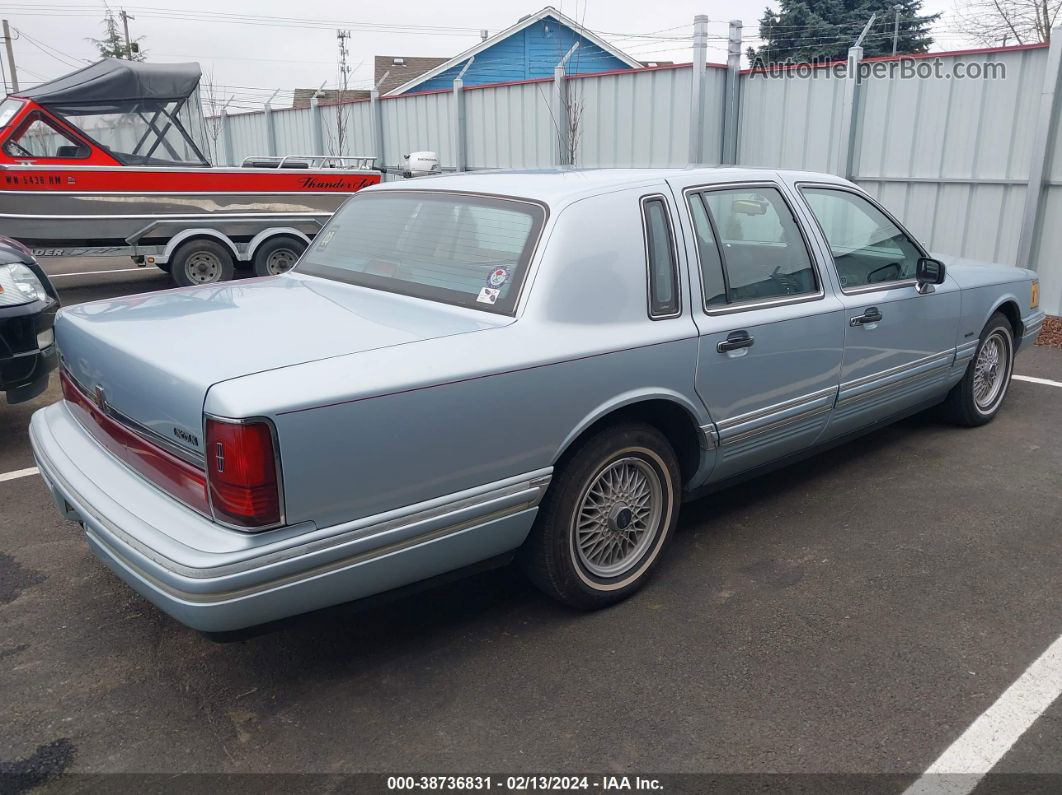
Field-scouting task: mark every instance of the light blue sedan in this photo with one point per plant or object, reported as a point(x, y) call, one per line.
point(469, 368)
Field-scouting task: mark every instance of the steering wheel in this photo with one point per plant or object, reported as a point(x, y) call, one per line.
point(26, 152)
point(896, 268)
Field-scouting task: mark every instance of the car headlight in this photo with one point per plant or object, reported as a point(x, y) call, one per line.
point(20, 285)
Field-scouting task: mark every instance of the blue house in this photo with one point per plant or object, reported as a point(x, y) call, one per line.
point(527, 50)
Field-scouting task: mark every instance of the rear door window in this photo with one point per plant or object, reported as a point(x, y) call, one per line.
point(763, 253)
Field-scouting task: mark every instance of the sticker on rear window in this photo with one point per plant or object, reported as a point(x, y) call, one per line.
point(326, 238)
point(498, 277)
point(488, 295)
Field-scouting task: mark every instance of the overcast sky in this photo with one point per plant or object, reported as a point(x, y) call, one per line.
point(252, 47)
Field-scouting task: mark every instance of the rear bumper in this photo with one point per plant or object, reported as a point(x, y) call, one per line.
point(214, 579)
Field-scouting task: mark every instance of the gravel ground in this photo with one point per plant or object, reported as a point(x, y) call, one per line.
point(1051, 336)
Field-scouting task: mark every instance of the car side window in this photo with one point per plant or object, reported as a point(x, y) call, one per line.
point(41, 139)
point(763, 253)
point(867, 247)
point(662, 262)
point(712, 278)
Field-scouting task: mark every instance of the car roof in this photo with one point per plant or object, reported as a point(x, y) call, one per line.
point(560, 186)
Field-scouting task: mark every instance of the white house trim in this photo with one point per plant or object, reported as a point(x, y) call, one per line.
point(548, 11)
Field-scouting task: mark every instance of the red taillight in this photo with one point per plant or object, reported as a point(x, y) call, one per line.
point(242, 473)
point(179, 478)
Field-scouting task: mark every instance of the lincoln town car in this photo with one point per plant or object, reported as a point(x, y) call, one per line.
point(472, 369)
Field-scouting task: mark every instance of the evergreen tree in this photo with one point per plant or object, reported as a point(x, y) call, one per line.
point(112, 45)
point(809, 31)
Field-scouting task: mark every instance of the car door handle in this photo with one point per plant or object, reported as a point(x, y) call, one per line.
point(871, 315)
point(735, 340)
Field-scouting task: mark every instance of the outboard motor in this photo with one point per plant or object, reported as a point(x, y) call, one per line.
point(420, 164)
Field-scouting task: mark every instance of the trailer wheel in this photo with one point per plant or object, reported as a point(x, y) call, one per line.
point(277, 255)
point(201, 261)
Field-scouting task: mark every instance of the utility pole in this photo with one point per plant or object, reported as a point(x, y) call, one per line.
point(125, 24)
point(344, 82)
point(896, 27)
point(10, 58)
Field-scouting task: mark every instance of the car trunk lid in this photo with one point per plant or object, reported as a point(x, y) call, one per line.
point(150, 359)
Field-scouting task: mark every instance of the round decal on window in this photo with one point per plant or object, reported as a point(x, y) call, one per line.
point(498, 277)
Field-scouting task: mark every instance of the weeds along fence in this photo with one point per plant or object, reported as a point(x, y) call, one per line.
point(964, 147)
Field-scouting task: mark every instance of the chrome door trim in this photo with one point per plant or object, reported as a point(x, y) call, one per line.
point(709, 437)
point(895, 376)
point(783, 422)
point(745, 306)
point(779, 415)
point(966, 351)
point(775, 408)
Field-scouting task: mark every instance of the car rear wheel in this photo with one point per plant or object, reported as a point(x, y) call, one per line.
point(201, 262)
point(277, 256)
point(607, 515)
point(978, 397)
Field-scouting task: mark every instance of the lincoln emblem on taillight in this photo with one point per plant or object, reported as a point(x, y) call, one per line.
point(219, 456)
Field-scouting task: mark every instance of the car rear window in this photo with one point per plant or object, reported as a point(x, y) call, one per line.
point(459, 249)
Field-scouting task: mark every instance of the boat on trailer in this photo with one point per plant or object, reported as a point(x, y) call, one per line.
point(109, 160)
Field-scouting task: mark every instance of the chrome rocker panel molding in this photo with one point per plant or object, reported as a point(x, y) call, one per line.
point(297, 572)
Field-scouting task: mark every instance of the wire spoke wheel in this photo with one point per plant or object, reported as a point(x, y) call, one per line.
point(618, 516)
point(991, 370)
point(203, 268)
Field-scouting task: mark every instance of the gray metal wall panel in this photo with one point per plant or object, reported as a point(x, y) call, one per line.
point(295, 132)
point(358, 119)
point(640, 119)
point(789, 122)
point(248, 135)
point(939, 127)
point(416, 123)
point(509, 126)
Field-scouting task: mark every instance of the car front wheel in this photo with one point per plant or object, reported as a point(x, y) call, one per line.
point(977, 398)
point(601, 527)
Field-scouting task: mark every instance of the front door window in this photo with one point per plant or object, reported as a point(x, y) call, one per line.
point(868, 248)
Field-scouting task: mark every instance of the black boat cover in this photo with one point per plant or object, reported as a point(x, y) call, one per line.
point(116, 80)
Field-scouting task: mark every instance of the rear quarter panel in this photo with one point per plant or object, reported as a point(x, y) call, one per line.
point(383, 429)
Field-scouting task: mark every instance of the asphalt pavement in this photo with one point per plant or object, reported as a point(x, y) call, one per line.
point(852, 615)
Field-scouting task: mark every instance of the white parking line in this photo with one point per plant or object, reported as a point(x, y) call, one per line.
point(96, 273)
point(18, 473)
point(1032, 380)
point(959, 769)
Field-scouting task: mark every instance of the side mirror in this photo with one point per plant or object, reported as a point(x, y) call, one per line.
point(928, 272)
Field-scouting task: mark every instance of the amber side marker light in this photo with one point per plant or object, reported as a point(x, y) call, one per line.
point(243, 473)
point(1034, 298)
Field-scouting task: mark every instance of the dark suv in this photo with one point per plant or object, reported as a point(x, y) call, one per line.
point(28, 303)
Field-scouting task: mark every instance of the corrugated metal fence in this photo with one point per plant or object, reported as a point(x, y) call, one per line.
point(952, 157)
